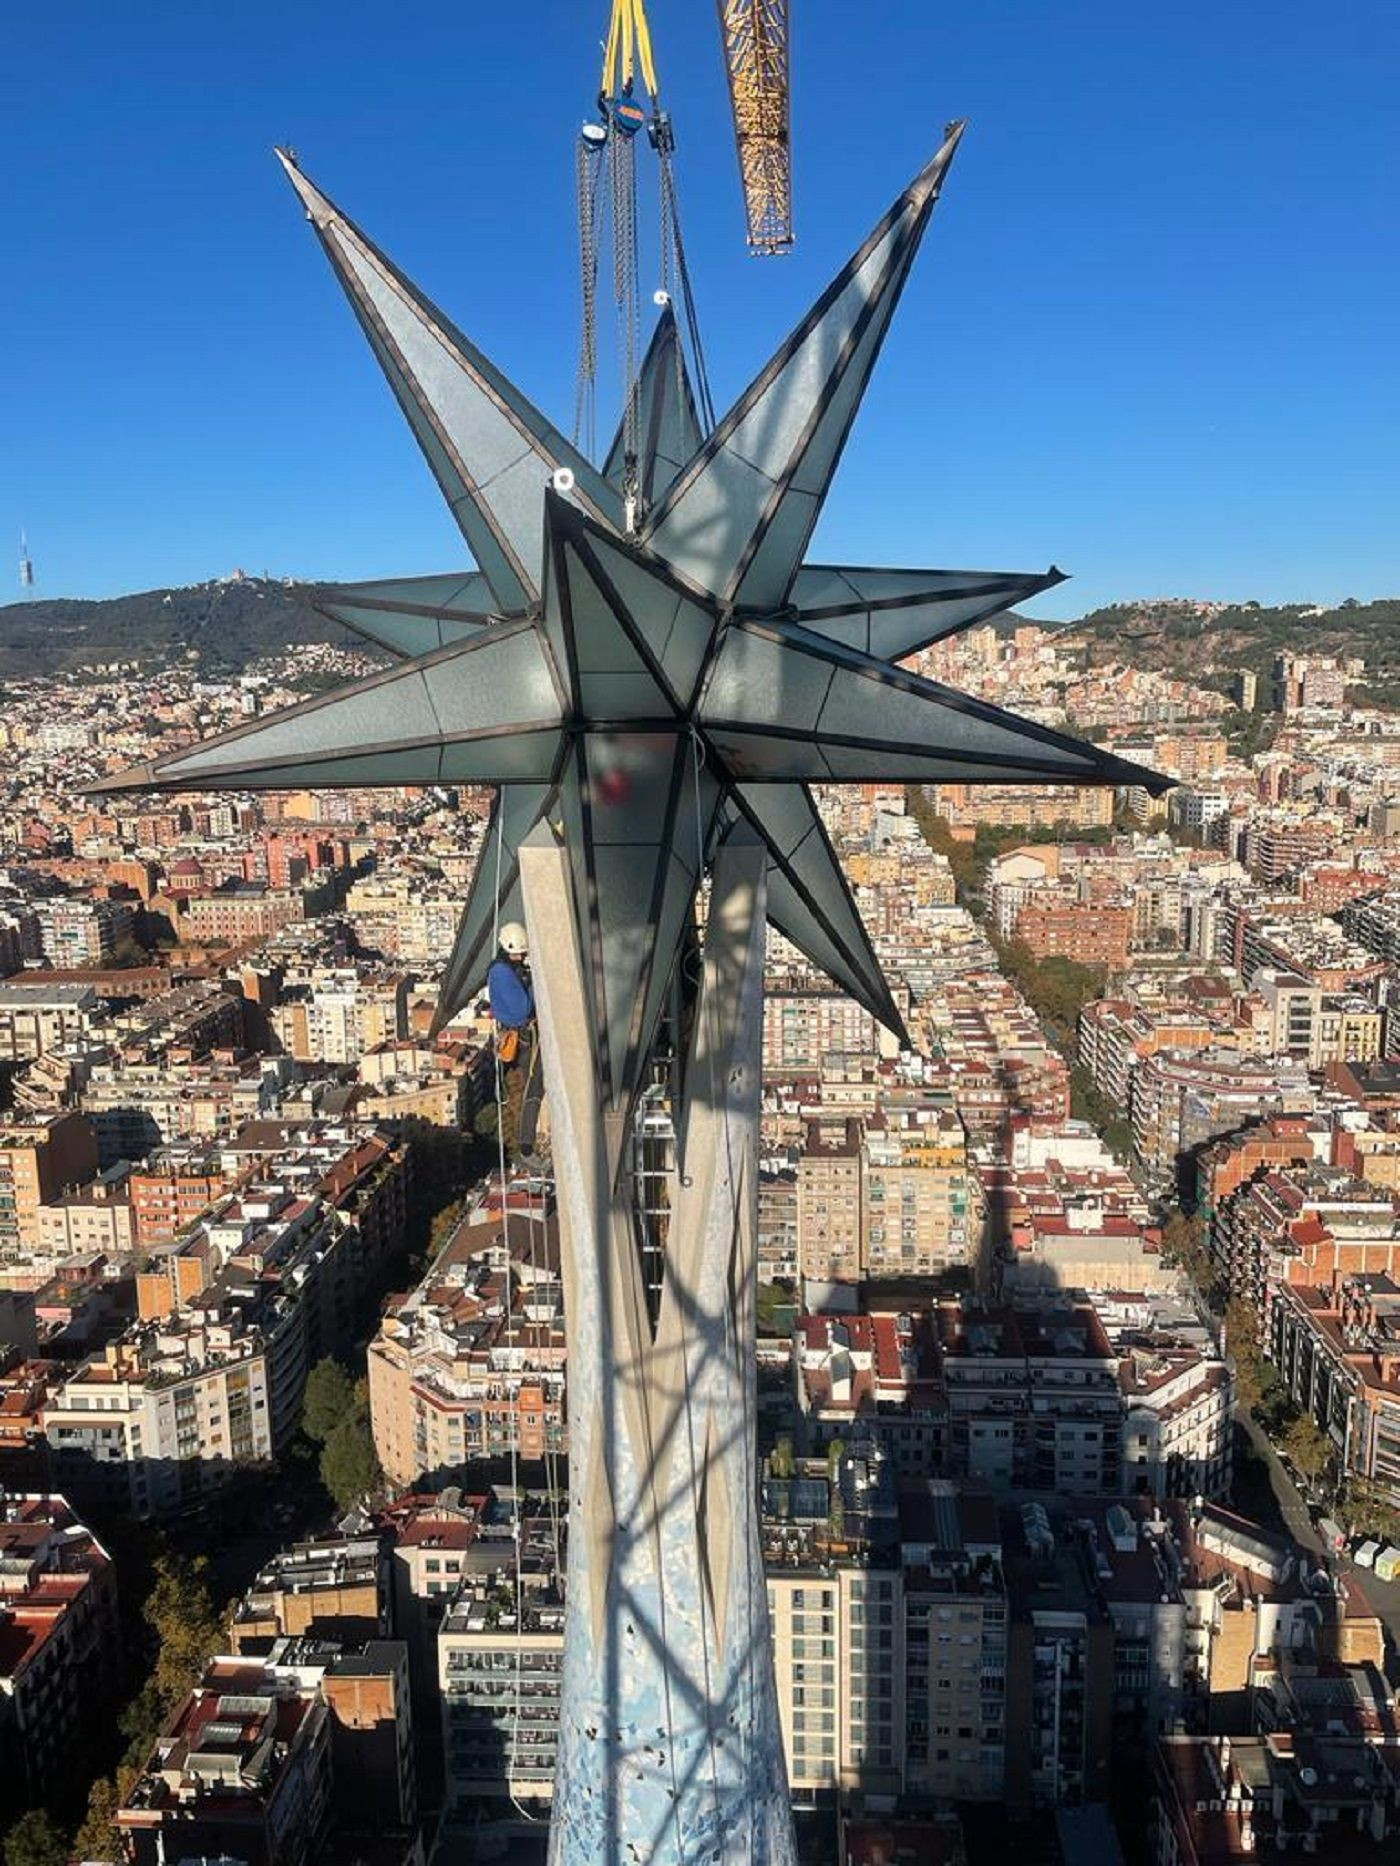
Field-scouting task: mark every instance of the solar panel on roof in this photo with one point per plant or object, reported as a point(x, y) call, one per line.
point(220, 1732)
point(809, 1498)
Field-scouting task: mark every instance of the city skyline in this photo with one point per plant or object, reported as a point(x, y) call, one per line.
point(1166, 371)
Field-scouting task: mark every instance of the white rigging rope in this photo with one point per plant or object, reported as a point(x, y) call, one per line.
point(513, 1406)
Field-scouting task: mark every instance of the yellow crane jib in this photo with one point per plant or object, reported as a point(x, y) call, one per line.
point(755, 34)
point(628, 47)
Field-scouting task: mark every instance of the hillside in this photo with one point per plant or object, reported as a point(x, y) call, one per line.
point(229, 622)
point(1196, 641)
point(225, 623)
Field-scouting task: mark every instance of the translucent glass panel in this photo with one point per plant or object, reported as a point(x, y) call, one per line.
point(597, 655)
point(808, 898)
point(891, 613)
point(403, 632)
point(491, 451)
point(740, 523)
point(518, 808)
point(481, 692)
point(630, 806)
point(668, 428)
point(452, 592)
point(854, 712)
point(758, 680)
point(676, 629)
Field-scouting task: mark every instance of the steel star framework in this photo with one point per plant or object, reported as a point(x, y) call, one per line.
point(644, 677)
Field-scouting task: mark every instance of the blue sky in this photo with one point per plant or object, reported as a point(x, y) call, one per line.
point(1151, 335)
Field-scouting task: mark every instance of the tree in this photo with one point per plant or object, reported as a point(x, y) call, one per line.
point(97, 1838)
point(1307, 1447)
point(35, 1840)
point(328, 1400)
point(1242, 1340)
point(1368, 1509)
point(180, 1611)
point(1184, 1242)
point(349, 1464)
point(1258, 1386)
point(443, 1225)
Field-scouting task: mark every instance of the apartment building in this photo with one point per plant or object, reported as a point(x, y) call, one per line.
point(24, 1450)
point(777, 1224)
point(955, 1608)
point(41, 1157)
point(471, 1363)
point(242, 1770)
point(1228, 1163)
point(1300, 1019)
point(1178, 1407)
point(38, 1017)
point(164, 1416)
point(917, 1195)
point(1301, 1224)
point(1036, 806)
point(1117, 1034)
point(1032, 1397)
point(1059, 1669)
point(1062, 1213)
point(341, 1012)
point(173, 1190)
point(1373, 921)
point(830, 1226)
point(1052, 923)
point(137, 1107)
point(1338, 1352)
point(1180, 1103)
point(95, 1221)
point(836, 1618)
point(77, 933)
point(1221, 1799)
point(876, 1378)
point(336, 1587)
point(59, 1646)
point(499, 1679)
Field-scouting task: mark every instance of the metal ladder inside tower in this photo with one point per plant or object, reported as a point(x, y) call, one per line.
point(607, 203)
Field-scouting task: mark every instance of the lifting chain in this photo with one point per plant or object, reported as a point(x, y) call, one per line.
point(587, 164)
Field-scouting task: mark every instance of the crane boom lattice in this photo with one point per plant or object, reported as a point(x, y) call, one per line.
point(756, 58)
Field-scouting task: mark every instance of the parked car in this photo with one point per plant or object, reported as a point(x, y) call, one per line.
point(1365, 1553)
point(1387, 1565)
point(1332, 1538)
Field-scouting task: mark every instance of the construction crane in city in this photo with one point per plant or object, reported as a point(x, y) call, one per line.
point(756, 41)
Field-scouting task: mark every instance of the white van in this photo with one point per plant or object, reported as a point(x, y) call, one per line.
point(1365, 1553)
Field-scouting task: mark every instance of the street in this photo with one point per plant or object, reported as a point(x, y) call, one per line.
point(1268, 1493)
point(1265, 1491)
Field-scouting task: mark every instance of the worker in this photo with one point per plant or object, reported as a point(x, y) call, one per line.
point(512, 1000)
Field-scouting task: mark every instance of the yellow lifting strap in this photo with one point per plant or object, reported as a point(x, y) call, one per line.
point(629, 44)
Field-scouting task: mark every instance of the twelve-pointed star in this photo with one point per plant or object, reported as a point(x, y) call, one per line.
point(645, 690)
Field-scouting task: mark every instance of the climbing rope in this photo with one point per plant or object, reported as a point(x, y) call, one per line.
point(705, 1036)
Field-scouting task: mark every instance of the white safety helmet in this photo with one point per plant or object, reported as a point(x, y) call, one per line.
point(515, 942)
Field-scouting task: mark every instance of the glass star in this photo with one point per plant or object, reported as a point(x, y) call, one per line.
point(645, 688)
